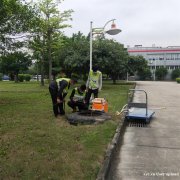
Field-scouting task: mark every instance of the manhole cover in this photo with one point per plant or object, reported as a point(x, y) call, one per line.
point(88, 117)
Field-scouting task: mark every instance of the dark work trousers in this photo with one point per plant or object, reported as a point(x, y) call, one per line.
point(81, 106)
point(61, 108)
point(53, 93)
point(91, 91)
point(57, 107)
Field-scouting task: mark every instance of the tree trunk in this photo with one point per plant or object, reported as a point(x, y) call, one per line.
point(16, 77)
point(42, 63)
point(114, 77)
point(49, 56)
point(114, 81)
point(42, 74)
point(42, 68)
point(37, 71)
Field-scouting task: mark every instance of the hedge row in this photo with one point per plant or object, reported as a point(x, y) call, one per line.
point(22, 77)
point(1, 75)
point(178, 80)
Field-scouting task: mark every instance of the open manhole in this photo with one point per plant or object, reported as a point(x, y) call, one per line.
point(88, 117)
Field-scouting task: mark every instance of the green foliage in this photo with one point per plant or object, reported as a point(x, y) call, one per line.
point(175, 74)
point(48, 38)
point(137, 64)
point(1, 75)
point(16, 17)
point(73, 57)
point(27, 77)
point(178, 80)
point(144, 74)
point(15, 62)
point(74, 75)
point(111, 57)
point(161, 73)
point(21, 77)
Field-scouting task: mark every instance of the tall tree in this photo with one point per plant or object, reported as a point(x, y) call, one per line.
point(136, 64)
point(74, 56)
point(52, 21)
point(111, 57)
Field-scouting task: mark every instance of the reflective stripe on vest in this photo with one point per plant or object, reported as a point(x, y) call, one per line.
point(61, 79)
point(94, 79)
point(78, 96)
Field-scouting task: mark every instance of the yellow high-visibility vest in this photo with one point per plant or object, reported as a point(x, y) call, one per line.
point(78, 96)
point(61, 79)
point(94, 79)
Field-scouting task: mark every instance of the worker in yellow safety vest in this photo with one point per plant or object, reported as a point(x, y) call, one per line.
point(77, 98)
point(94, 83)
point(58, 90)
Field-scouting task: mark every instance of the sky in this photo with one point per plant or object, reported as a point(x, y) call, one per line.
point(143, 22)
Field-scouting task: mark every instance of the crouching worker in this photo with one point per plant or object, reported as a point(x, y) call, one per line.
point(58, 90)
point(77, 98)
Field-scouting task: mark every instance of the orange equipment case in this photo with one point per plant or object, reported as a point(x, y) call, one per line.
point(100, 104)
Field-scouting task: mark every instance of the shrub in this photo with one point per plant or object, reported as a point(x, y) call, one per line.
point(144, 74)
point(74, 75)
point(161, 73)
point(178, 80)
point(1, 75)
point(21, 77)
point(27, 77)
point(175, 74)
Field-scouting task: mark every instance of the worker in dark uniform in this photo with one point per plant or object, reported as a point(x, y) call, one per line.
point(58, 90)
point(77, 98)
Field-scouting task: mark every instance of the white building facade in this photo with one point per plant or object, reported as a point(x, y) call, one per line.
point(168, 57)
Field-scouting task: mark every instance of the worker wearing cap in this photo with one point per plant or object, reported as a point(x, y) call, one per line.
point(58, 90)
point(94, 83)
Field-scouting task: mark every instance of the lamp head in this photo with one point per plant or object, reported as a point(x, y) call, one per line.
point(113, 30)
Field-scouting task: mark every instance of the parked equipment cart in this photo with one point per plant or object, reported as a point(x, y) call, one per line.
point(137, 110)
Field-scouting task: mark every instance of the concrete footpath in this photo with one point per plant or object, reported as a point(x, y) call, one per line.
point(152, 152)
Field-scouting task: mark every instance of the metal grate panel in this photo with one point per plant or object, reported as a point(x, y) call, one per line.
point(137, 123)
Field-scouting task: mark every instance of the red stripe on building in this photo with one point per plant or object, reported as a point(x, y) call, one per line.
point(167, 50)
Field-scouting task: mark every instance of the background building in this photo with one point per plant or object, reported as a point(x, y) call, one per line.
point(157, 57)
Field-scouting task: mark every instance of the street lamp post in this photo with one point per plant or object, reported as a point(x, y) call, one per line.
point(91, 37)
point(112, 31)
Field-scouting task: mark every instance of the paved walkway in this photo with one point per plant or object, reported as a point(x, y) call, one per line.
point(152, 152)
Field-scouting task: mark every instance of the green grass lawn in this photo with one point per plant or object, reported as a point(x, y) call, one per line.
point(35, 145)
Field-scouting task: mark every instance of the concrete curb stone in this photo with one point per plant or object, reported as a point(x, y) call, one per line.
point(112, 148)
